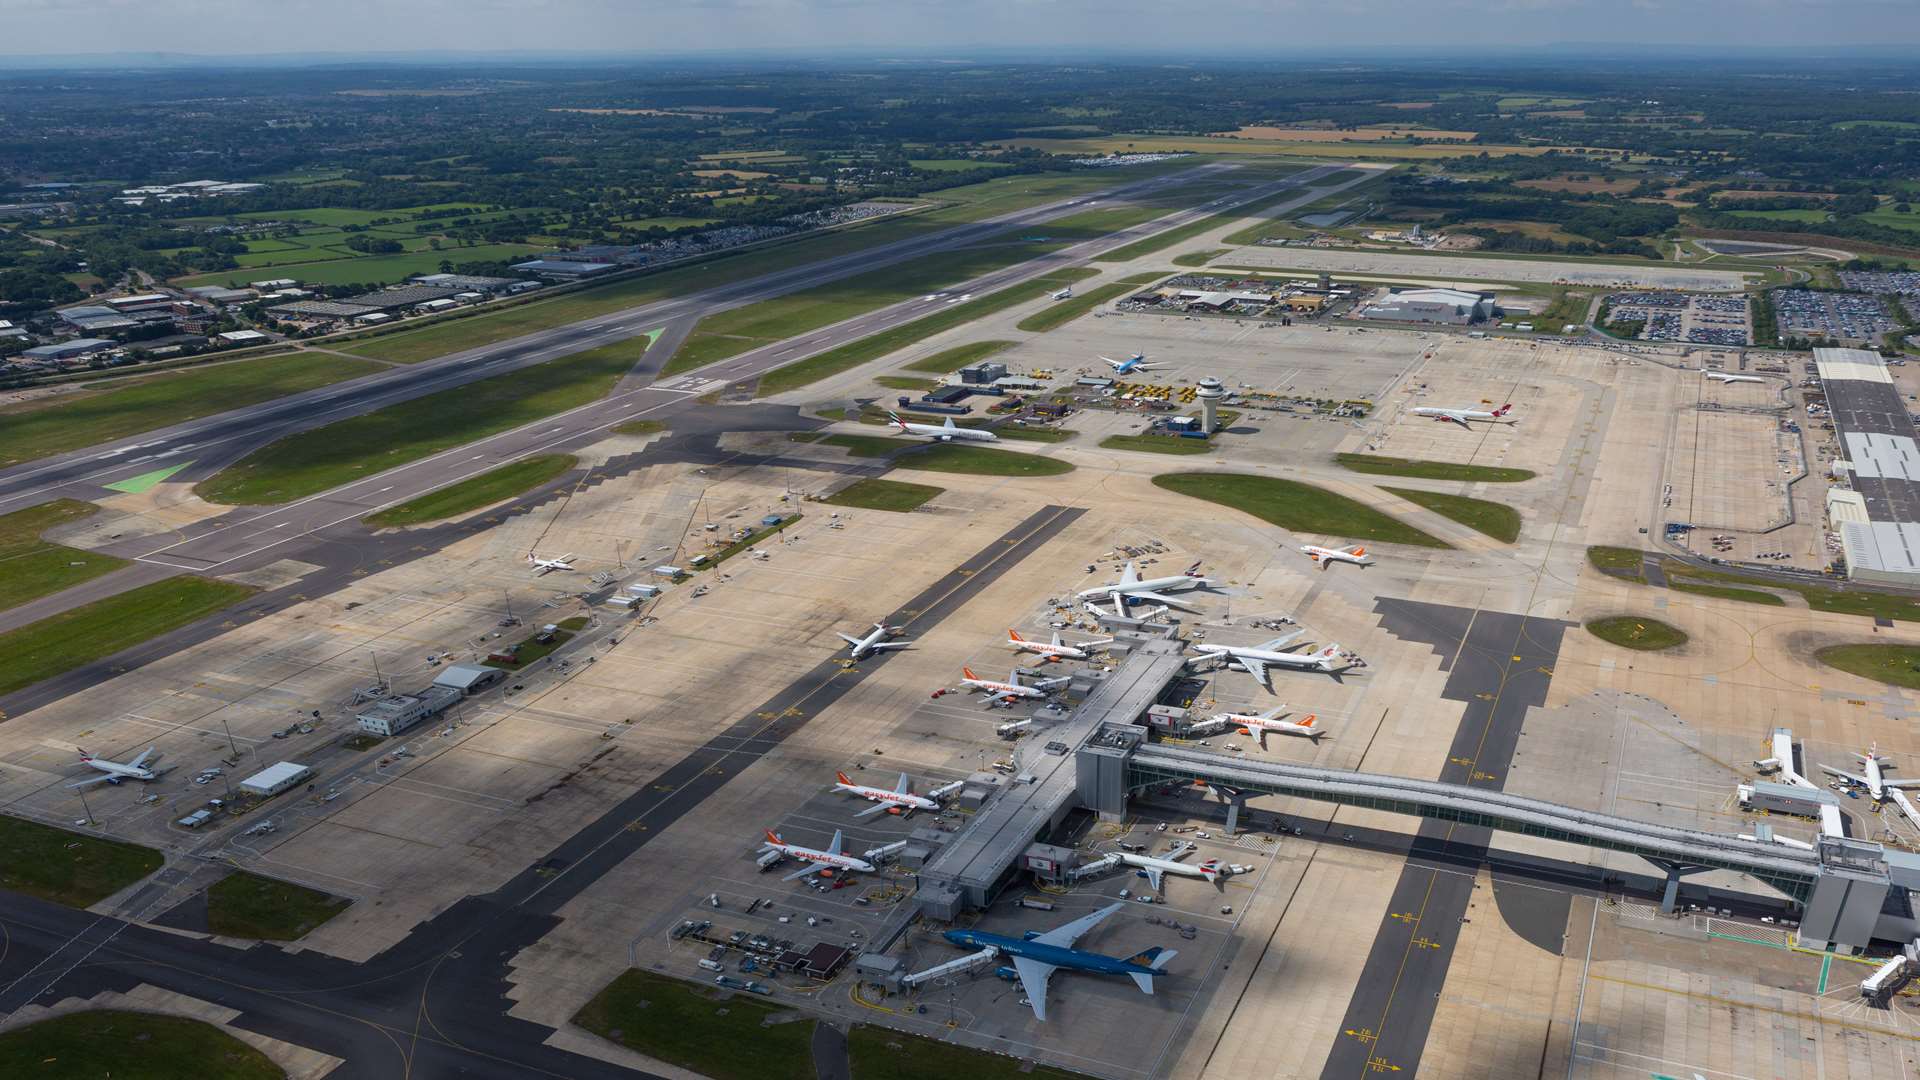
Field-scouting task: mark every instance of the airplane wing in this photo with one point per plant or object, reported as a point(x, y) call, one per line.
point(1255, 668)
point(1275, 713)
point(883, 645)
point(92, 780)
point(848, 638)
point(834, 847)
point(810, 868)
point(872, 810)
point(1033, 980)
point(1909, 783)
point(1282, 641)
point(1066, 934)
point(1129, 575)
point(142, 759)
point(1158, 598)
point(901, 787)
point(1154, 876)
point(1831, 771)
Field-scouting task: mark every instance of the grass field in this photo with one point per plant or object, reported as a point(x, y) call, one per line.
point(1199, 258)
point(882, 1054)
point(476, 491)
point(1895, 665)
point(532, 650)
point(68, 868)
point(249, 906)
point(867, 446)
point(120, 408)
point(950, 360)
point(638, 427)
point(905, 382)
point(1374, 150)
point(97, 1043)
point(1184, 233)
point(1158, 444)
point(1618, 561)
point(1638, 633)
point(1298, 507)
point(1062, 312)
point(872, 494)
point(368, 269)
point(31, 567)
point(60, 643)
point(1834, 599)
point(1432, 470)
point(1498, 520)
point(1804, 216)
point(327, 456)
point(1726, 592)
point(693, 1028)
point(981, 461)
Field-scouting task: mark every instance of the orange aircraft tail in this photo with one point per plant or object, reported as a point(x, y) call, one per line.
point(1012, 636)
point(774, 837)
point(843, 779)
point(968, 672)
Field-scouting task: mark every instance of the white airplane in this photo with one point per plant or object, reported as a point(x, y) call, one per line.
point(112, 772)
point(1323, 557)
point(818, 860)
point(1259, 725)
point(1157, 868)
point(946, 432)
point(1256, 659)
point(1465, 417)
point(546, 566)
point(1064, 294)
point(1131, 587)
point(1874, 779)
point(1009, 690)
point(896, 797)
point(1056, 649)
point(1722, 376)
point(859, 648)
point(1136, 362)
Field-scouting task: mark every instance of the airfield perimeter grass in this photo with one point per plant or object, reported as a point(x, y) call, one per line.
point(31, 567)
point(1200, 258)
point(333, 454)
point(1432, 470)
point(96, 1043)
point(874, 346)
point(1895, 665)
point(1726, 592)
point(700, 1028)
point(959, 356)
point(1158, 444)
point(1296, 506)
point(883, 1054)
point(1498, 520)
point(60, 643)
point(1837, 600)
point(905, 382)
point(1637, 632)
point(856, 445)
point(122, 407)
point(981, 461)
point(249, 906)
point(638, 427)
point(874, 494)
point(1062, 312)
point(1184, 233)
point(476, 491)
point(68, 868)
point(1618, 561)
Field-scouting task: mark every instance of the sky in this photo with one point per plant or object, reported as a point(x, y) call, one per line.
point(242, 28)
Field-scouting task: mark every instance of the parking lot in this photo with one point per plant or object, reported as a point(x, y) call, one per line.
point(1850, 317)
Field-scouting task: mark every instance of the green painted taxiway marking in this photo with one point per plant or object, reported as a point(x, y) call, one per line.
point(134, 485)
point(653, 335)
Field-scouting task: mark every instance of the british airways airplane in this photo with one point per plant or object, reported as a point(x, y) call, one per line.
point(1038, 955)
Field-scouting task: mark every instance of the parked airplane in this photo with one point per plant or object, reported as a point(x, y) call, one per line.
point(1260, 724)
point(1322, 557)
point(885, 798)
point(1465, 417)
point(946, 432)
point(1722, 376)
point(1009, 690)
point(1055, 650)
point(1136, 362)
point(1037, 957)
point(545, 566)
point(1130, 588)
point(1157, 868)
point(1875, 780)
point(817, 859)
point(112, 772)
point(1255, 659)
point(859, 648)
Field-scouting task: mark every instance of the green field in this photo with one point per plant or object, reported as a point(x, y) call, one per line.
point(702, 1029)
point(950, 360)
point(857, 445)
point(1184, 233)
point(476, 491)
point(1618, 561)
point(1199, 258)
point(981, 461)
point(99, 1043)
point(1498, 520)
point(1835, 599)
point(872, 494)
point(954, 164)
point(1297, 507)
point(638, 427)
point(1158, 444)
point(1888, 218)
point(333, 454)
point(905, 382)
point(1726, 592)
point(1638, 633)
point(368, 269)
point(531, 649)
point(1807, 216)
point(884, 1054)
point(119, 408)
point(249, 906)
point(1895, 665)
point(1432, 470)
point(31, 567)
point(68, 868)
point(60, 643)
point(1062, 312)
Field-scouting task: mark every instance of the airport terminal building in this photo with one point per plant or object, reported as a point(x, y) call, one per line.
point(1879, 527)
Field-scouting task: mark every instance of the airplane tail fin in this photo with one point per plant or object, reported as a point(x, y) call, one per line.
point(895, 417)
point(774, 837)
point(1502, 410)
point(1211, 869)
point(842, 777)
point(1357, 551)
point(1014, 636)
point(1155, 958)
point(950, 425)
point(968, 673)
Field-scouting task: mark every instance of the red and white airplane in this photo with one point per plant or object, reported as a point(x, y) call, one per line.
point(1010, 690)
point(897, 797)
point(547, 566)
point(1274, 721)
point(1466, 417)
point(817, 859)
point(112, 772)
point(1322, 557)
point(1056, 649)
point(1157, 868)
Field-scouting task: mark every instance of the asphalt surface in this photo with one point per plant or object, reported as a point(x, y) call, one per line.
point(435, 1005)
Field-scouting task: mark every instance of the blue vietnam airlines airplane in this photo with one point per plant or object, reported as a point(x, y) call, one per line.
point(1038, 955)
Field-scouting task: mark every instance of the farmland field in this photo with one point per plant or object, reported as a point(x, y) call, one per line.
point(333, 269)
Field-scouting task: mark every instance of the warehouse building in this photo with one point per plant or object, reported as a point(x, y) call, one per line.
point(1441, 306)
point(398, 297)
point(95, 319)
point(467, 282)
point(67, 350)
point(275, 779)
point(469, 678)
point(1878, 441)
point(565, 269)
point(319, 309)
